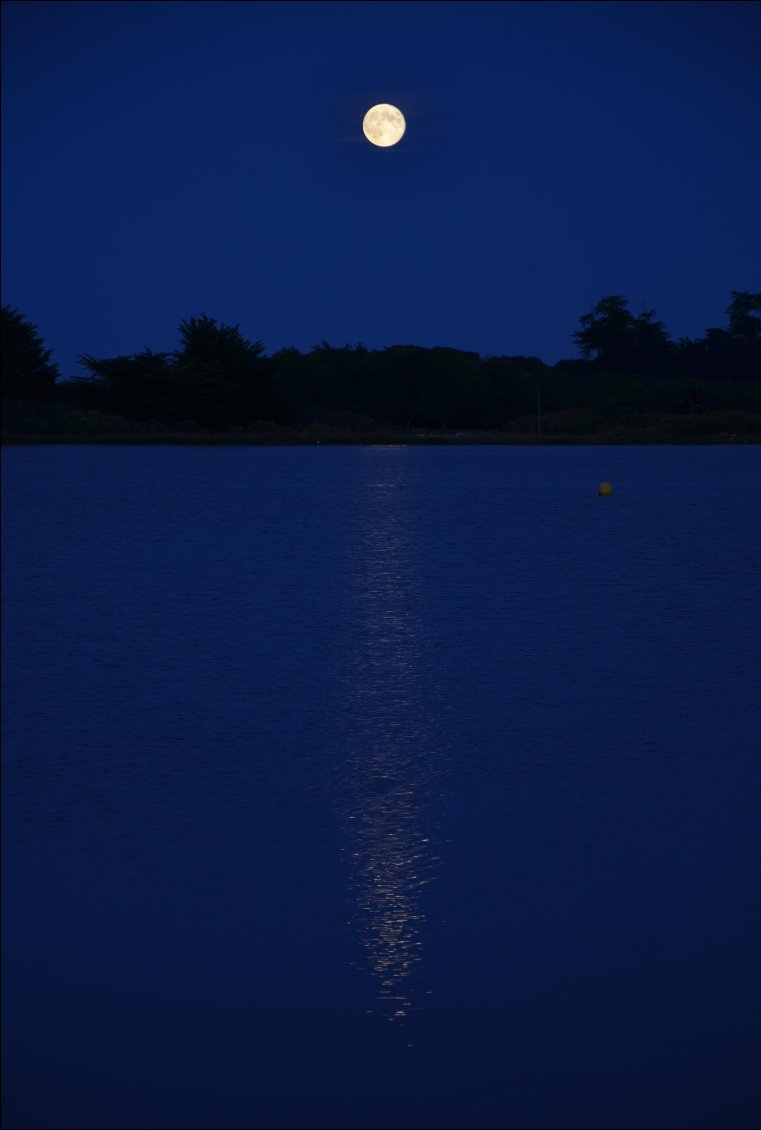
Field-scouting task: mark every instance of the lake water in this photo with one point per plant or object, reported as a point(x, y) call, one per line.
point(382, 787)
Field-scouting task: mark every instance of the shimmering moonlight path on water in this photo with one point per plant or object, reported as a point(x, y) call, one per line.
point(381, 786)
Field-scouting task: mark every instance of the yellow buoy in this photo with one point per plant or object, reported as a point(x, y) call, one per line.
point(605, 489)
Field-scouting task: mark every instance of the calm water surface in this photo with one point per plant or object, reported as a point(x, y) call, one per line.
point(382, 786)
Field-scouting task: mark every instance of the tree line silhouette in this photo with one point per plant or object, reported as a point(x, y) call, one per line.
point(629, 370)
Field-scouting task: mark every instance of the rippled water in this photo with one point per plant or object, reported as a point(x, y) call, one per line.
point(381, 786)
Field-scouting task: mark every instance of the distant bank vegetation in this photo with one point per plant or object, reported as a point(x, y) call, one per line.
point(630, 380)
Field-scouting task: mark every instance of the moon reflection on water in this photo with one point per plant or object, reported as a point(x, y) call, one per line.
point(393, 759)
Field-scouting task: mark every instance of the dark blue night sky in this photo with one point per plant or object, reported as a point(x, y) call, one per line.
point(167, 159)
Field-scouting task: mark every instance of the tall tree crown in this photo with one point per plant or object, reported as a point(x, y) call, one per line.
point(27, 371)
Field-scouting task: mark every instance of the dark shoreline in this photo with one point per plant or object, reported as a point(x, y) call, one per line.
point(378, 439)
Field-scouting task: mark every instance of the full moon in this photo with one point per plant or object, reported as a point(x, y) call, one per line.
point(384, 125)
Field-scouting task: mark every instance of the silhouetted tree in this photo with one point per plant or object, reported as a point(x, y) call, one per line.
point(652, 352)
point(606, 332)
point(290, 405)
point(509, 389)
point(733, 353)
point(337, 377)
point(27, 372)
point(139, 387)
point(220, 378)
point(744, 312)
point(621, 343)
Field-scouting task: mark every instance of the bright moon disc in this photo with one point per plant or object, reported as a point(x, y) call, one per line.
point(384, 125)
